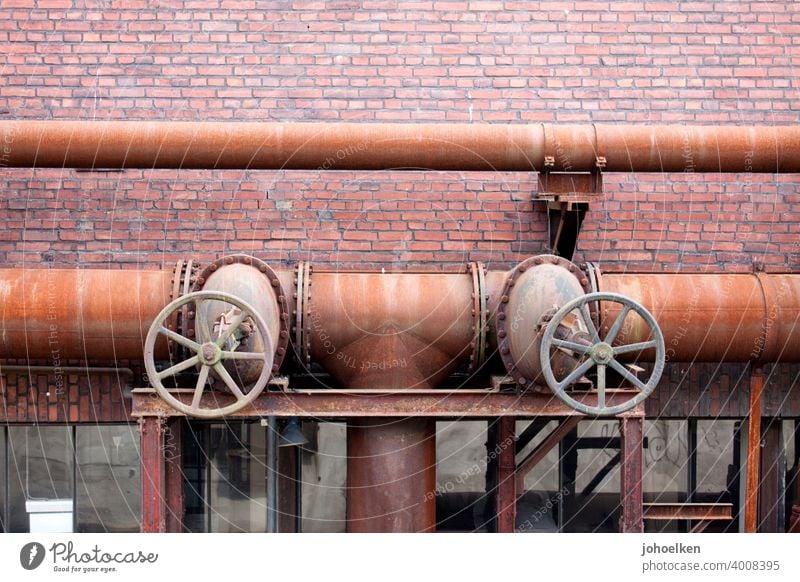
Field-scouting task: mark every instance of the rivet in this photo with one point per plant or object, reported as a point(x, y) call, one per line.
point(504, 299)
point(554, 260)
point(275, 368)
point(213, 266)
point(262, 268)
point(229, 260)
point(201, 281)
point(281, 298)
point(511, 283)
point(504, 350)
point(522, 381)
point(284, 333)
point(537, 261)
point(522, 268)
point(584, 281)
point(281, 351)
point(247, 260)
point(572, 268)
point(274, 282)
point(501, 333)
point(501, 316)
point(190, 332)
point(294, 295)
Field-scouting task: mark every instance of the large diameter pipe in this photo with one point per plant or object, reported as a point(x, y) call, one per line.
point(392, 330)
point(381, 146)
point(714, 318)
point(391, 475)
point(82, 314)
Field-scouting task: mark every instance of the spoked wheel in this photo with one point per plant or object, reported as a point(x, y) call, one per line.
point(208, 351)
point(602, 353)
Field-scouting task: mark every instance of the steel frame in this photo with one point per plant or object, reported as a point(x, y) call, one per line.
point(490, 403)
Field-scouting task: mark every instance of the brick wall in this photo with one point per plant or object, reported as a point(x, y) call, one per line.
point(391, 60)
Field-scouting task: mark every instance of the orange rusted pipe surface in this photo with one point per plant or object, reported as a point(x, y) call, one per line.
point(84, 314)
point(714, 318)
point(382, 146)
point(390, 331)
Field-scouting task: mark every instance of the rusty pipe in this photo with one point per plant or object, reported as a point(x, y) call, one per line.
point(392, 330)
point(713, 318)
point(82, 314)
point(391, 475)
point(382, 146)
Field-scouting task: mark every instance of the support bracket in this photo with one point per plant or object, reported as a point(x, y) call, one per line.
point(568, 195)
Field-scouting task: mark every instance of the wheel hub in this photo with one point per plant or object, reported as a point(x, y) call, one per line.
point(210, 354)
point(602, 353)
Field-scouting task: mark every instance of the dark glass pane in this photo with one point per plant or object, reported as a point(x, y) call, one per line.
point(591, 478)
point(194, 477)
point(39, 468)
point(3, 473)
point(108, 478)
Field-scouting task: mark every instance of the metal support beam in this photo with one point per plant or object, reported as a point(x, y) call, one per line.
point(631, 432)
point(173, 479)
point(506, 496)
point(753, 451)
point(151, 431)
point(568, 195)
point(461, 403)
point(540, 452)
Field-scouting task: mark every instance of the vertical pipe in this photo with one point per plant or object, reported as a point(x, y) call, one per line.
point(506, 497)
point(391, 475)
point(151, 431)
point(173, 480)
point(631, 430)
point(753, 451)
point(272, 474)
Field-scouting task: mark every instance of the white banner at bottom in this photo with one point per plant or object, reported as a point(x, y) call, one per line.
point(418, 557)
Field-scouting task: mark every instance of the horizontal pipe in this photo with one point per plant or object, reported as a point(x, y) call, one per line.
point(382, 146)
point(82, 314)
point(396, 330)
point(714, 318)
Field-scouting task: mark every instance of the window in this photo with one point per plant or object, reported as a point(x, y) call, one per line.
point(96, 467)
point(107, 477)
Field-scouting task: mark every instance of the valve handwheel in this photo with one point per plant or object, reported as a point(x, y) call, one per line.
point(209, 354)
point(602, 353)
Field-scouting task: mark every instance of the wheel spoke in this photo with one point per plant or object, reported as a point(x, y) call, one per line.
point(185, 365)
point(576, 373)
point(575, 347)
point(601, 385)
point(179, 339)
point(587, 319)
point(223, 337)
point(243, 356)
point(627, 374)
point(612, 333)
point(201, 385)
point(229, 382)
point(635, 347)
